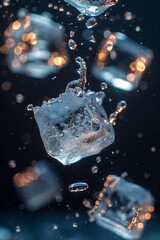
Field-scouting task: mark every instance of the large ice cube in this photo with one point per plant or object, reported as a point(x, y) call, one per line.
point(92, 7)
point(74, 125)
point(122, 207)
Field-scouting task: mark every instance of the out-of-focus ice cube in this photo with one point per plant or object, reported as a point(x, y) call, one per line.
point(121, 62)
point(92, 7)
point(37, 186)
point(34, 45)
point(122, 207)
point(74, 125)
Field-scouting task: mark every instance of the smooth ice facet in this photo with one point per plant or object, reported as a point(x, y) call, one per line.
point(74, 125)
point(121, 62)
point(122, 207)
point(92, 7)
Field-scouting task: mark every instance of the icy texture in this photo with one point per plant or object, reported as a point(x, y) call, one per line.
point(74, 125)
point(121, 62)
point(92, 7)
point(122, 207)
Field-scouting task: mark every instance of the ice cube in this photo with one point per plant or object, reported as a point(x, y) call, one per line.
point(37, 185)
point(35, 45)
point(74, 125)
point(121, 62)
point(92, 7)
point(122, 207)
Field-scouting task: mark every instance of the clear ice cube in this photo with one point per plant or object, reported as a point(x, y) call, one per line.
point(121, 62)
point(35, 45)
point(74, 125)
point(122, 207)
point(92, 7)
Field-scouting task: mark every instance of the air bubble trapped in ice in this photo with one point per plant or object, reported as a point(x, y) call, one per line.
point(74, 125)
point(122, 207)
point(121, 62)
point(92, 7)
point(34, 45)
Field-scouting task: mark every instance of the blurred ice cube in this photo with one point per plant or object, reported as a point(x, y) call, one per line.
point(92, 7)
point(121, 62)
point(38, 185)
point(35, 45)
point(122, 207)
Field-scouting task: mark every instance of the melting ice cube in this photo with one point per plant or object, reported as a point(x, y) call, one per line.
point(122, 207)
point(74, 125)
point(92, 7)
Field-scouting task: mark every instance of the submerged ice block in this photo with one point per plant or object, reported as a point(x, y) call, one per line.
point(74, 125)
point(35, 45)
point(122, 207)
point(121, 62)
point(92, 7)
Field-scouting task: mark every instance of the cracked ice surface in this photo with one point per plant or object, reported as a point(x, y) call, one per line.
point(74, 125)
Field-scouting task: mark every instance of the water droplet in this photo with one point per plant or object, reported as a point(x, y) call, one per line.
point(91, 22)
point(12, 164)
point(72, 33)
point(124, 174)
point(72, 44)
point(92, 39)
point(94, 169)
point(104, 86)
point(19, 98)
point(75, 225)
point(18, 229)
point(30, 107)
point(80, 17)
point(87, 203)
point(98, 159)
point(78, 187)
point(120, 107)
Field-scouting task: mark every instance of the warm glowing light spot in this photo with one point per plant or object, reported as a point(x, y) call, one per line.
point(151, 209)
point(140, 225)
point(16, 25)
point(101, 56)
point(10, 42)
point(18, 50)
point(147, 216)
point(140, 66)
point(131, 77)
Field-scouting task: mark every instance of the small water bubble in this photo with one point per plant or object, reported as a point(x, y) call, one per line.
point(138, 28)
point(124, 174)
point(77, 214)
point(128, 16)
point(30, 107)
point(91, 22)
point(55, 227)
point(75, 225)
point(94, 169)
point(87, 203)
point(18, 229)
point(98, 159)
point(153, 149)
point(92, 39)
point(19, 98)
point(104, 86)
point(72, 44)
point(78, 187)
